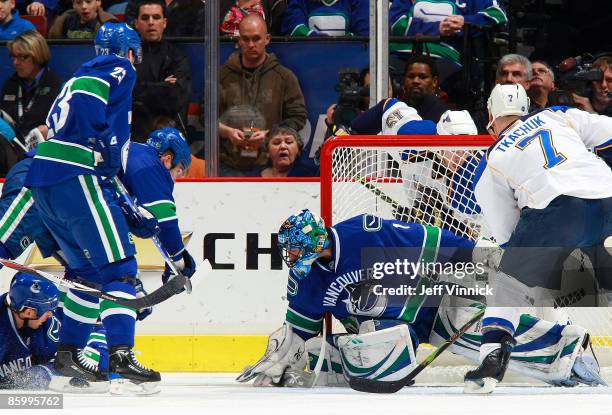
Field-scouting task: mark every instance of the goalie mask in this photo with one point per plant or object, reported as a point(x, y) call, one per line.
point(301, 240)
point(507, 100)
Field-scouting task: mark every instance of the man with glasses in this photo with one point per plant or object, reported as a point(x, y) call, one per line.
point(542, 82)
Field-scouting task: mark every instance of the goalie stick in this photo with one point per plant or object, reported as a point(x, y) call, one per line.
point(378, 386)
point(172, 287)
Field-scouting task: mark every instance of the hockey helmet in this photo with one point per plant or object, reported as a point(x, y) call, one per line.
point(165, 139)
point(506, 100)
point(456, 123)
point(27, 291)
point(301, 240)
point(118, 38)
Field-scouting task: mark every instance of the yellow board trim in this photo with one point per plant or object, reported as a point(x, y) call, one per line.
point(218, 353)
point(200, 353)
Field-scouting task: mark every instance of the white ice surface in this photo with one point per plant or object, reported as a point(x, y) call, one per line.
point(219, 394)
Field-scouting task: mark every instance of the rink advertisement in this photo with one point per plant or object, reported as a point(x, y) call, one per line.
point(224, 324)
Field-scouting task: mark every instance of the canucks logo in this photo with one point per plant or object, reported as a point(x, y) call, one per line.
point(371, 223)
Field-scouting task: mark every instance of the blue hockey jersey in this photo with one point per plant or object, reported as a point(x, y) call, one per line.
point(20, 223)
point(23, 348)
point(329, 17)
point(422, 17)
point(96, 99)
point(150, 182)
point(359, 244)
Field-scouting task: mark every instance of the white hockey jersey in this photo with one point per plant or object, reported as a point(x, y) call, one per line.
point(539, 157)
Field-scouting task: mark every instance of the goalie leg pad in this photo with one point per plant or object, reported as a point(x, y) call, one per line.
point(331, 371)
point(385, 355)
point(547, 351)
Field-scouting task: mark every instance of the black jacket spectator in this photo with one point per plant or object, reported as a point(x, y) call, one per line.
point(35, 101)
point(185, 17)
point(153, 97)
point(431, 108)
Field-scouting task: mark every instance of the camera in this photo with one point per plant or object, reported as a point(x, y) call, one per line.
point(575, 76)
point(351, 94)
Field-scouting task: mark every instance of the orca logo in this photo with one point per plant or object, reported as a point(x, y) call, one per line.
point(35, 288)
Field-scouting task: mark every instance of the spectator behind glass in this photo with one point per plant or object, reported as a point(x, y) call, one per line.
point(284, 146)
point(542, 82)
point(81, 22)
point(163, 84)
point(233, 11)
point(47, 8)
point(327, 18)
point(11, 24)
point(197, 168)
point(183, 17)
point(419, 88)
point(436, 18)
point(600, 101)
point(515, 69)
point(255, 79)
point(29, 93)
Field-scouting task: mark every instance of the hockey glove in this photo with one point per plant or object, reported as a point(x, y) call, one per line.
point(140, 292)
point(184, 263)
point(142, 223)
point(107, 154)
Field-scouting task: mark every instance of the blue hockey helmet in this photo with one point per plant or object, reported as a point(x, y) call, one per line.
point(171, 139)
point(118, 38)
point(27, 291)
point(301, 240)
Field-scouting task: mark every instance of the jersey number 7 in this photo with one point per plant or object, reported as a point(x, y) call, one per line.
point(551, 155)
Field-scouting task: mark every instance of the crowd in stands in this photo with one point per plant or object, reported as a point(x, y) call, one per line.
point(261, 104)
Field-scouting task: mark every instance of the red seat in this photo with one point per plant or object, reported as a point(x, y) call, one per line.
point(39, 22)
point(120, 16)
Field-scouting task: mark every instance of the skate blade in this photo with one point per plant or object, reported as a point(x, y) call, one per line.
point(67, 384)
point(486, 386)
point(126, 387)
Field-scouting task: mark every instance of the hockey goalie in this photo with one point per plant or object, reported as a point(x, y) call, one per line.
point(338, 270)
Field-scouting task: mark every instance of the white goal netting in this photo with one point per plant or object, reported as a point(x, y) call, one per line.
point(426, 180)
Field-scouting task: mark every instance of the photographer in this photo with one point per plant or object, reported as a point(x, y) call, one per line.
point(600, 99)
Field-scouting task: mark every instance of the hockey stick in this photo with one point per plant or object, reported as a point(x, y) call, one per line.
point(130, 202)
point(378, 386)
point(172, 287)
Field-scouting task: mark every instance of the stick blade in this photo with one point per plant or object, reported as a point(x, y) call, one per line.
point(375, 386)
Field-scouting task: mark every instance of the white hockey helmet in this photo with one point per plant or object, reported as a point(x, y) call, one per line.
point(456, 123)
point(510, 99)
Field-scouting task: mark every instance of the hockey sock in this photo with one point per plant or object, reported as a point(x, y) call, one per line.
point(81, 312)
point(119, 321)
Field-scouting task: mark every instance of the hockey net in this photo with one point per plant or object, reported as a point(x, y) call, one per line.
point(426, 180)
